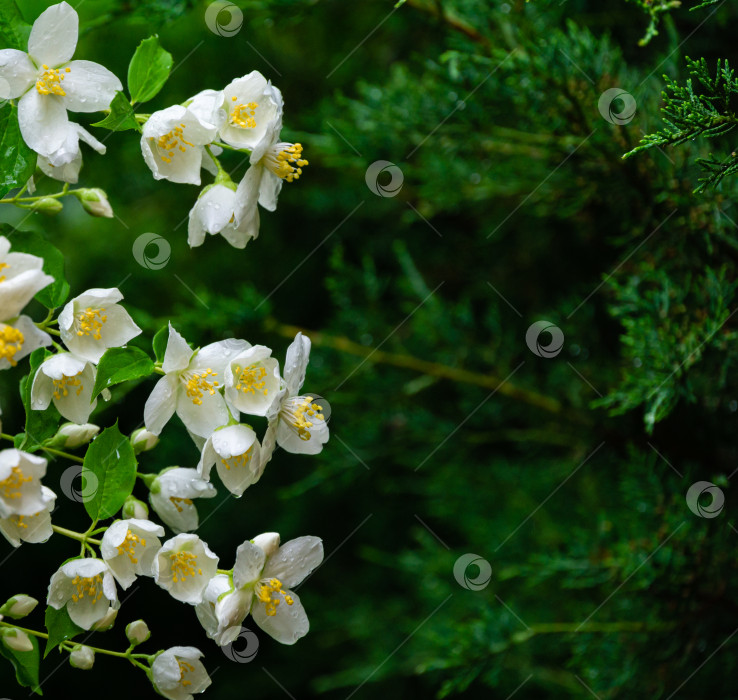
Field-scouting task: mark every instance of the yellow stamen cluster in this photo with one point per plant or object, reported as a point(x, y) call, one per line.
point(302, 414)
point(2, 267)
point(90, 322)
point(18, 520)
point(11, 341)
point(184, 669)
point(198, 382)
point(239, 461)
point(50, 82)
point(89, 586)
point(287, 162)
point(176, 501)
point(172, 141)
point(243, 114)
point(268, 591)
point(61, 385)
point(250, 379)
point(129, 545)
point(11, 486)
point(183, 565)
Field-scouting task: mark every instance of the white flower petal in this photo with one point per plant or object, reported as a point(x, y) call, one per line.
point(17, 73)
point(290, 622)
point(161, 404)
point(178, 353)
point(89, 86)
point(43, 121)
point(295, 560)
point(54, 35)
point(269, 189)
point(250, 560)
point(296, 362)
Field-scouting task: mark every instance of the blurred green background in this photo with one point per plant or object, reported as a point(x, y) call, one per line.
point(449, 435)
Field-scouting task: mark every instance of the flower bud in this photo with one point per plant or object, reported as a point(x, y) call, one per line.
point(82, 657)
point(143, 440)
point(47, 205)
point(106, 622)
point(18, 606)
point(95, 202)
point(16, 639)
point(137, 632)
point(71, 435)
point(268, 541)
point(133, 508)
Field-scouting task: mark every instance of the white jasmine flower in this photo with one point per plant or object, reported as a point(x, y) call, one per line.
point(86, 587)
point(177, 673)
point(30, 528)
point(301, 421)
point(184, 566)
point(65, 163)
point(48, 84)
point(95, 321)
point(18, 338)
point(21, 277)
point(191, 386)
point(67, 380)
point(172, 142)
point(82, 657)
point(213, 213)
point(129, 548)
point(235, 452)
point(21, 492)
point(252, 380)
point(171, 497)
point(223, 610)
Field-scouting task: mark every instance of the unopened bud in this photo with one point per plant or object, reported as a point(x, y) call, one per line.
point(137, 632)
point(143, 440)
point(47, 205)
point(82, 657)
point(133, 508)
point(16, 639)
point(71, 435)
point(18, 606)
point(95, 202)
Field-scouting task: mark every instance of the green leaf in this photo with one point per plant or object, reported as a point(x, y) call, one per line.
point(119, 365)
point(17, 161)
point(148, 70)
point(26, 664)
point(121, 117)
point(40, 425)
point(56, 293)
point(111, 463)
point(60, 627)
point(160, 343)
point(14, 31)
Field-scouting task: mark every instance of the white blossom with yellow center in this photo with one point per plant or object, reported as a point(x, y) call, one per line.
point(172, 497)
point(18, 338)
point(235, 452)
point(252, 381)
point(184, 566)
point(48, 83)
point(95, 321)
point(178, 673)
point(21, 492)
point(21, 277)
point(191, 386)
point(172, 142)
point(87, 589)
point(34, 528)
point(67, 380)
point(129, 548)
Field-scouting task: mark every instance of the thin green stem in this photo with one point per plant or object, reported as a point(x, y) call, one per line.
point(56, 195)
point(60, 453)
point(82, 537)
point(226, 147)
